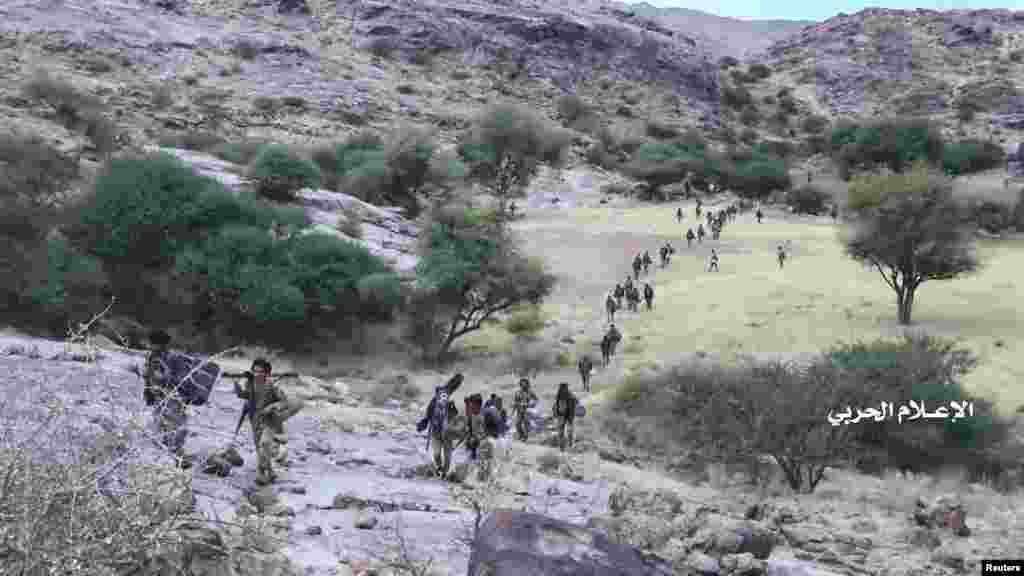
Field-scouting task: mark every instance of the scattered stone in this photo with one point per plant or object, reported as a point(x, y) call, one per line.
point(513, 542)
point(319, 447)
point(293, 7)
point(217, 465)
point(703, 564)
point(314, 531)
point(297, 489)
point(366, 521)
point(742, 565)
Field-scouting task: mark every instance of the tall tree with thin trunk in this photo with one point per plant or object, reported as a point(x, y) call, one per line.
point(470, 269)
point(506, 145)
point(909, 228)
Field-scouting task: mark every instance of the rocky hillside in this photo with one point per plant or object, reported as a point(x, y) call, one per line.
point(357, 497)
point(253, 70)
point(720, 35)
point(910, 62)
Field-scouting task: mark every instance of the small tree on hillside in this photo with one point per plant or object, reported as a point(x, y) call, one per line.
point(909, 229)
point(506, 145)
point(470, 270)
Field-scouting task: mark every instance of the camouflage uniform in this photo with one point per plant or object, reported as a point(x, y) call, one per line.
point(169, 412)
point(476, 435)
point(443, 442)
point(268, 413)
point(520, 406)
point(565, 414)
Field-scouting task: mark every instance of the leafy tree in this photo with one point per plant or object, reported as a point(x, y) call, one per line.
point(807, 200)
point(280, 174)
point(909, 229)
point(507, 144)
point(470, 270)
point(971, 155)
point(894, 143)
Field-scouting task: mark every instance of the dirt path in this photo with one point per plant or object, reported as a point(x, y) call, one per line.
point(752, 307)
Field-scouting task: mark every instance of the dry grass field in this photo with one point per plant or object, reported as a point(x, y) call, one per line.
point(751, 307)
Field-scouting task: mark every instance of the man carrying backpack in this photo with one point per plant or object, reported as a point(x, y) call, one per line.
point(160, 392)
point(521, 404)
point(565, 414)
point(438, 421)
point(269, 408)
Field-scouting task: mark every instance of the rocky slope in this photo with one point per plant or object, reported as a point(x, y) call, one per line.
point(720, 35)
point(244, 70)
point(355, 489)
point(909, 62)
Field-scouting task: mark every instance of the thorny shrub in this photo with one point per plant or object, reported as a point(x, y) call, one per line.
point(75, 110)
point(85, 501)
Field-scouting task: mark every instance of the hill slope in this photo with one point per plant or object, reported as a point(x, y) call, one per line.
point(721, 35)
point(910, 63)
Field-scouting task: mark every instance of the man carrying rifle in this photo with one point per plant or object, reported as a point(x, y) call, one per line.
point(267, 408)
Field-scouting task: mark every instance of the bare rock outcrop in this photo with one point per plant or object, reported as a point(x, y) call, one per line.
point(545, 41)
point(511, 542)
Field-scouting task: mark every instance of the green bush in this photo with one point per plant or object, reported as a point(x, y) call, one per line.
point(263, 283)
point(507, 144)
point(144, 210)
point(990, 216)
point(661, 131)
point(759, 71)
point(380, 295)
point(756, 176)
point(525, 323)
point(967, 156)
point(336, 161)
point(279, 173)
point(64, 288)
point(921, 368)
point(807, 200)
point(895, 143)
point(814, 124)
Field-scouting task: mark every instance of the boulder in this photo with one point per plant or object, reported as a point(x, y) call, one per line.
point(512, 543)
point(293, 7)
point(217, 465)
